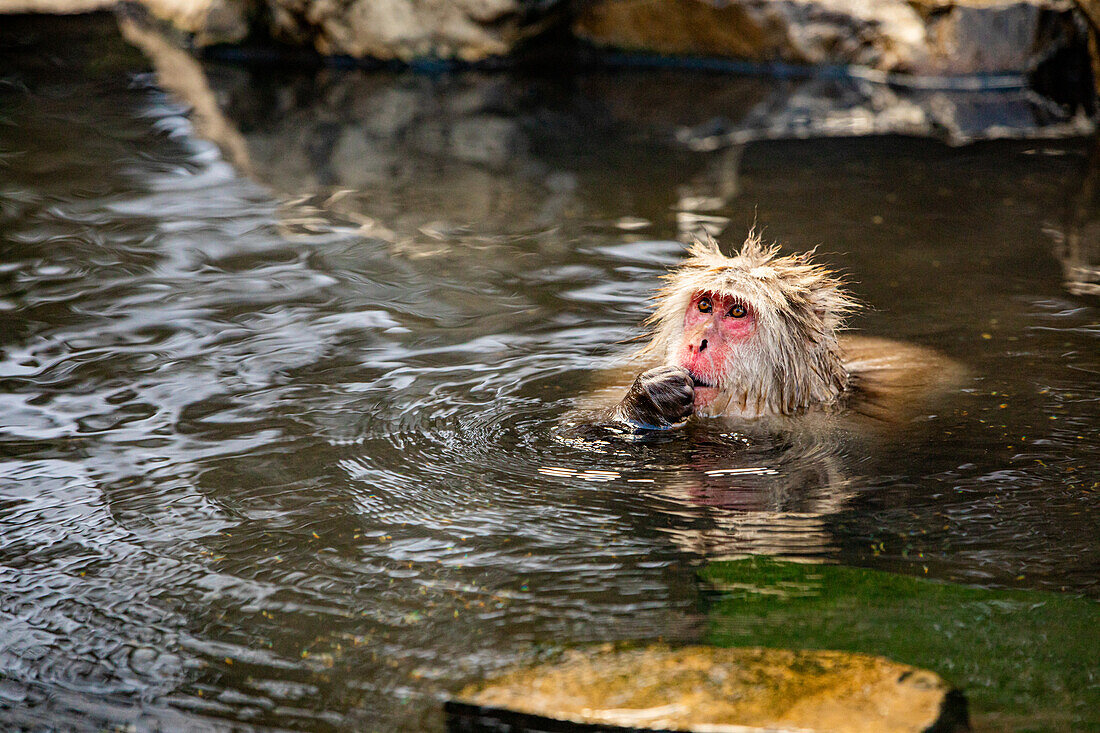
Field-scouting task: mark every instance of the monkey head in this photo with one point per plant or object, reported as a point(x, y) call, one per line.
point(757, 333)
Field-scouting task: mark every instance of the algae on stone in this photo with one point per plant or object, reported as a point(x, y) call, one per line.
point(1026, 660)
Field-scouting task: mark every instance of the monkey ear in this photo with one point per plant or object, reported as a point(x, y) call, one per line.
point(831, 302)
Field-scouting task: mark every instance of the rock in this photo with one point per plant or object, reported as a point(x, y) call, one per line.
point(709, 689)
point(1091, 11)
point(209, 22)
point(54, 7)
point(919, 37)
point(468, 30)
point(465, 30)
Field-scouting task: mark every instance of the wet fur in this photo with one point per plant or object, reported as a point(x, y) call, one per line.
point(797, 359)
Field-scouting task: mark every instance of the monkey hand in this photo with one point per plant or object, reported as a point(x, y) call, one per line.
point(659, 399)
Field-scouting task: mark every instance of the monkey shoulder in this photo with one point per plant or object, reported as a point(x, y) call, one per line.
point(893, 381)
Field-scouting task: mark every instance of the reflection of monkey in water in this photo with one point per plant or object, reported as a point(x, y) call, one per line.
point(757, 335)
point(754, 341)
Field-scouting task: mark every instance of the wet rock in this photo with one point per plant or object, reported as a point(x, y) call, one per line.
point(917, 37)
point(708, 688)
point(469, 30)
point(54, 7)
point(209, 22)
point(1091, 10)
point(920, 37)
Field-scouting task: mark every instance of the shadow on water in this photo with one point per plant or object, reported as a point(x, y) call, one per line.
point(283, 450)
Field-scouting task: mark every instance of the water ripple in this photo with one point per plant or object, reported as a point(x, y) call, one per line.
point(261, 471)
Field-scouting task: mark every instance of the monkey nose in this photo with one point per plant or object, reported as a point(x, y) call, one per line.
point(702, 345)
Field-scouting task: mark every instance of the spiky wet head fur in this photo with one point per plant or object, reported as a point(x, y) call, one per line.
point(793, 359)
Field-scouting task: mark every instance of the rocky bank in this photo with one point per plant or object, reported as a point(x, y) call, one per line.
point(920, 38)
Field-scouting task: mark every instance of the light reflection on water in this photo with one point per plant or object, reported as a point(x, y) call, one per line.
point(265, 471)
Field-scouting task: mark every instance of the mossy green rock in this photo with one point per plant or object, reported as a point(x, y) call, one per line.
point(1026, 659)
point(710, 689)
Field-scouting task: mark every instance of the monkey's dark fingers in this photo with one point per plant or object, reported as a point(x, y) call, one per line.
point(659, 398)
point(672, 390)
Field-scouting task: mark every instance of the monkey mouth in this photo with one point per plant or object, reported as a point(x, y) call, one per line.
point(698, 381)
point(706, 391)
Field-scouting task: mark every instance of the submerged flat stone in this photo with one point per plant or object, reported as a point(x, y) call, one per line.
point(714, 690)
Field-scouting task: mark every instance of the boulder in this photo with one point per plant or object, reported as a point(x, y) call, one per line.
point(1091, 11)
point(209, 22)
point(467, 30)
point(713, 689)
point(918, 37)
point(206, 22)
point(54, 7)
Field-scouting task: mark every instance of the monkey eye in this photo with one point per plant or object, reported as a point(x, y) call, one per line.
point(738, 311)
point(705, 305)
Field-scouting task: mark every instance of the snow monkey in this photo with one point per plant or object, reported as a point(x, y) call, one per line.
point(757, 335)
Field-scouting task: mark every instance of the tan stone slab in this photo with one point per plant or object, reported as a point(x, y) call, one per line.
point(715, 690)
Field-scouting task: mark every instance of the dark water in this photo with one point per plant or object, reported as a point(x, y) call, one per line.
point(279, 438)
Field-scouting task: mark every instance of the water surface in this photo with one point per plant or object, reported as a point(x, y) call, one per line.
point(280, 438)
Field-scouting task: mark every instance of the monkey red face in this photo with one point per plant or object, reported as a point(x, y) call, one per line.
point(714, 326)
